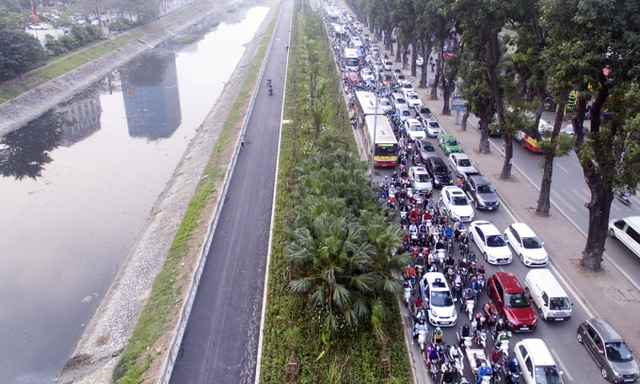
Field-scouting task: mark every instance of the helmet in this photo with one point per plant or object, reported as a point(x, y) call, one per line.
point(421, 320)
point(478, 315)
point(438, 329)
point(465, 260)
point(497, 347)
point(501, 320)
point(483, 365)
point(515, 362)
point(473, 278)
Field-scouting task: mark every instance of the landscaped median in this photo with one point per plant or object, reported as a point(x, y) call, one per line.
point(331, 244)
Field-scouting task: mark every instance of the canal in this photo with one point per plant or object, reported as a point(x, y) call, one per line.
point(79, 182)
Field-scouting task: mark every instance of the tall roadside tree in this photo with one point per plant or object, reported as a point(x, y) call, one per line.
point(598, 50)
point(483, 22)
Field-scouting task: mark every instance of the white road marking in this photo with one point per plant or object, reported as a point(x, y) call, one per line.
point(562, 366)
point(581, 194)
point(565, 202)
point(563, 168)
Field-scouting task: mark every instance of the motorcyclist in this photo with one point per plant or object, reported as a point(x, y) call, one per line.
point(417, 304)
point(464, 332)
point(475, 287)
point(496, 354)
point(480, 271)
point(448, 232)
point(269, 82)
point(448, 374)
point(501, 326)
point(483, 371)
point(437, 336)
point(463, 265)
point(457, 230)
point(467, 294)
point(513, 367)
point(420, 326)
point(449, 261)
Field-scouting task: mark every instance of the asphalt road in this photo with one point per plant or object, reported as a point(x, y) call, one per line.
point(220, 344)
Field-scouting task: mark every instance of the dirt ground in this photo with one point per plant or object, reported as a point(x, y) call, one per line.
point(106, 336)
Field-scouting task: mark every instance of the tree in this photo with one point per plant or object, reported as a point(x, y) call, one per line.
point(19, 53)
point(602, 67)
point(340, 242)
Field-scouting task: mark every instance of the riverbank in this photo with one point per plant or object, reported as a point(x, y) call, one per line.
point(107, 335)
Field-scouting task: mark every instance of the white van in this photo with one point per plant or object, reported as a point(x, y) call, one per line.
point(627, 230)
point(552, 301)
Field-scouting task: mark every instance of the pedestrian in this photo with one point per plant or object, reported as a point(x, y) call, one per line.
point(242, 142)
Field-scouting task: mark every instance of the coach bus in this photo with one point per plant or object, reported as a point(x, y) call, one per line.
point(351, 59)
point(384, 143)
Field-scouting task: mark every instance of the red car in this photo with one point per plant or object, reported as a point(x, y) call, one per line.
point(354, 77)
point(511, 302)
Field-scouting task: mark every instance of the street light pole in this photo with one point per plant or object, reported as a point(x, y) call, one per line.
point(373, 144)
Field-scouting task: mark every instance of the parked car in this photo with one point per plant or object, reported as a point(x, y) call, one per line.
point(407, 87)
point(438, 171)
point(448, 143)
point(481, 192)
point(526, 245)
point(609, 350)
point(461, 164)
point(414, 130)
point(425, 113)
point(423, 148)
point(455, 200)
point(432, 128)
point(627, 230)
point(536, 362)
point(511, 302)
point(388, 65)
point(435, 290)
point(419, 61)
point(38, 26)
point(490, 242)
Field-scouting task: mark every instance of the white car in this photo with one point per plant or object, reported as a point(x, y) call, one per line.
point(490, 242)
point(414, 130)
point(413, 100)
point(456, 202)
point(536, 362)
point(366, 74)
point(38, 26)
point(435, 291)
point(419, 179)
point(407, 87)
point(526, 245)
point(432, 128)
point(388, 65)
point(460, 164)
point(419, 61)
point(385, 104)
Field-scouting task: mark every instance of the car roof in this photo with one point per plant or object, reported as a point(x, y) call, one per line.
point(425, 142)
point(605, 329)
point(436, 160)
point(448, 136)
point(539, 352)
point(419, 169)
point(478, 179)
point(431, 278)
point(487, 227)
point(413, 121)
point(509, 282)
point(523, 229)
point(459, 155)
point(454, 190)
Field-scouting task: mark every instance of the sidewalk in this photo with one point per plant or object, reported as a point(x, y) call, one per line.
point(605, 294)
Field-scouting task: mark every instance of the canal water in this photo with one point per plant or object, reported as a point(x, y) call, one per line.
point(78, 183)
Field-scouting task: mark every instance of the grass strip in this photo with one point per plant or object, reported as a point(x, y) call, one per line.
point(154, 318)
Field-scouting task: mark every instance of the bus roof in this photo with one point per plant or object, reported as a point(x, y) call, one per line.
point(384, 132)
point(367, 102)
point(350, 52)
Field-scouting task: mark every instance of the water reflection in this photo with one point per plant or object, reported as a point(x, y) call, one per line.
point(24, 152)
point(82, 116)
point(151, 96)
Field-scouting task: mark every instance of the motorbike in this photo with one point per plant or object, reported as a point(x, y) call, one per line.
point(407, 293)
point(482, 340)
point(422, 338)
point(440, 256)
point(498, 373)
point(270, 90)
point(456, 358)
point(624, 196)
point(514, 378)
point(465, 342)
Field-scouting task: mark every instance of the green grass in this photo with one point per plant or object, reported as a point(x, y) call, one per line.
point(189, 39)
point(153, 320)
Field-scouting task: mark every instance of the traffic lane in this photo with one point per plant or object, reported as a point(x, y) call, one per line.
point(221, 338)
point(559, 336)
point(569, 193)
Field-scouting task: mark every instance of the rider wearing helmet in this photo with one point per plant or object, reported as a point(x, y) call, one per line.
point(448, 374)
point(496, 354)
point(420, 326)
point(448, 232)
point(483, 371)
point(437, 335)
point(513, 367)
point(501, 326)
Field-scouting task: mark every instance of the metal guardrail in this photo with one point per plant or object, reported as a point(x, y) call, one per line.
point(176, 341)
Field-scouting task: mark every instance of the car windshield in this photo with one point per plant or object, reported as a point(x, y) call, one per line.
point(451, 142)
point(422, 177)
point(559, 304)
point(441, 171)
point(459, 200)
point(464, 163)
point(400, 100)
point(415, 128)
point(406, 113)
point(495, 241)
point(385, 103)
point(434, 124)
point(516, 300)
point(414, 96)
point(441, 299)
point(547, 375)
point(531, 243)
point(485, 188)
point(618, 352)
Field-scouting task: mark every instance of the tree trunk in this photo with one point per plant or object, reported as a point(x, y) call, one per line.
point(484, 147)
point(465, 117)
point(399, 50)
point(507, 142)
point(544, 198)
point(414, 55)
point(599, 207)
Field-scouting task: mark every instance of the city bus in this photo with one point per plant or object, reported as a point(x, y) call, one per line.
point(385, 143)
point(366, 105)
point(351, 60)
